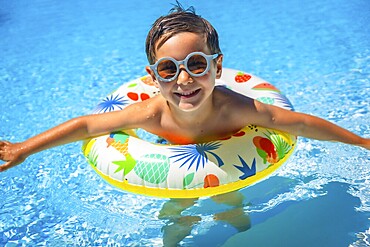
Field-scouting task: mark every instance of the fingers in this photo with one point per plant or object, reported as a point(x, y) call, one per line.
point(5, 166)
point(9, 164)
point(9, 155)
point(3, 149)
point(2, 143)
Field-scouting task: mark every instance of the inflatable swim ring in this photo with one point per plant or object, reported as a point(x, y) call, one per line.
point(133, 164)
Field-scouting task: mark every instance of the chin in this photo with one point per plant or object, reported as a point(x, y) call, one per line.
point(188, 107)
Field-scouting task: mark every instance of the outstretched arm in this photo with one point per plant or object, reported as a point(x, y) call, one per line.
point(73, 130)
point(305, 125)
point(70, 131)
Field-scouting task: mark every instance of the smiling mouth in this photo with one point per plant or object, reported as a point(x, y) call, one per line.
point(188, 94)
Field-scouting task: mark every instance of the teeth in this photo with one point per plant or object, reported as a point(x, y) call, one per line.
point(186, 93)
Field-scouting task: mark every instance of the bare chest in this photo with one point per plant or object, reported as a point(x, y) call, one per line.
point(197, 133)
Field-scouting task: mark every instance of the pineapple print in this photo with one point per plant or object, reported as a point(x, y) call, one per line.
point(153, 168)
point(119, 141)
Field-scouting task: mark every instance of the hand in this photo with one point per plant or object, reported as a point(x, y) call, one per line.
point(11, 153)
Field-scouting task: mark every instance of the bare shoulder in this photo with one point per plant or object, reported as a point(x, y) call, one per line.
point(229, 99)
point(234, 106)
point(147, 109)
point(138, 115)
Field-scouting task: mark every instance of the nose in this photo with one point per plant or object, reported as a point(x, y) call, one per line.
point(184, 77)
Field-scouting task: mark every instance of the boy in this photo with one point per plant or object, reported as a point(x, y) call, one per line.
point(185, 59)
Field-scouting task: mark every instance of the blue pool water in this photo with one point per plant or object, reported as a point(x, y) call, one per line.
point(59, 58)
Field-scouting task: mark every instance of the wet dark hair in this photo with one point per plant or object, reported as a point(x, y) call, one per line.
point(179, 20)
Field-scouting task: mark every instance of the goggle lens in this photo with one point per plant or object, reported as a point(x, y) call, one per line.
point(167, 69)
point(197, 64)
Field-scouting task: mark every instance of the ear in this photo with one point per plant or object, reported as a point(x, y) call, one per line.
point(219, 66)
point(152, 75)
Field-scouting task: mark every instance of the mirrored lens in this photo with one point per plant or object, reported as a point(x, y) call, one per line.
point(166, 69)
point(197, 64)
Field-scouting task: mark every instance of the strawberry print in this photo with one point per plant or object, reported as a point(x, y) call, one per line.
point(242, 77)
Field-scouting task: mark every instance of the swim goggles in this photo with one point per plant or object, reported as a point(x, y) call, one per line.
point(197, 64)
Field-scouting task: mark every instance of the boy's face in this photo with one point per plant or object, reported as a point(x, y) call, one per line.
point(187, 92)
